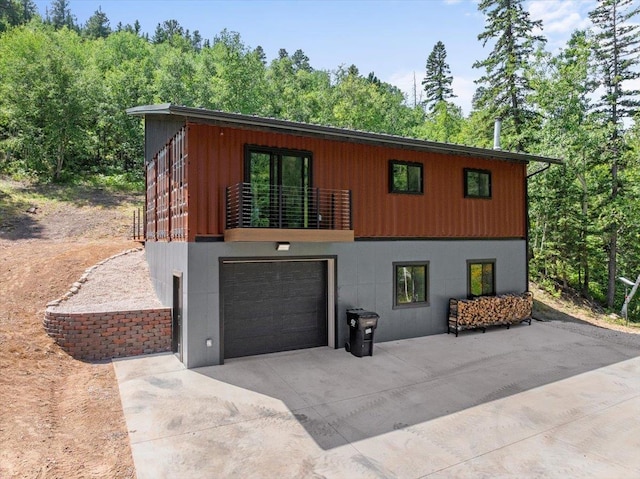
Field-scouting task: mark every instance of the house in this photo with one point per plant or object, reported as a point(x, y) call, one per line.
point(260, 233)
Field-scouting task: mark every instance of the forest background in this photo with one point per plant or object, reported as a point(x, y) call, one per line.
point(65, 88)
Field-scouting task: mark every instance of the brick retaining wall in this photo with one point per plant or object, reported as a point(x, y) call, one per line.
point(110, 334)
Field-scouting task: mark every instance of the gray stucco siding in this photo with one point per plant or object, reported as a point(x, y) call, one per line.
point(364, 278)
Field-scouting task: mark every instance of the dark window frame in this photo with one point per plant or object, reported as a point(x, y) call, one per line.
point(276, 216)
point(279, 152)
point(483, 262)
point(408, 164)
point(466, 183)
point(427, 282)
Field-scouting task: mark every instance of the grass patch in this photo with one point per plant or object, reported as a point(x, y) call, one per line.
point(121, 182)
point(16, 196)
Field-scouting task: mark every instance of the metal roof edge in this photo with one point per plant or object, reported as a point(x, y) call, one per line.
point(189, 113)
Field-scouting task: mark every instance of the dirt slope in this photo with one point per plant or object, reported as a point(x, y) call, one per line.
point(59, 417)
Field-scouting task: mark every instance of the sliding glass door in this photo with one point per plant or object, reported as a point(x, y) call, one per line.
point(280, 185)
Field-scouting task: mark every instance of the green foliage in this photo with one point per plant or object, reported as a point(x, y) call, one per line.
point(64, 91)
point(616, 52)
point(15, 12)
point(360, 104)
point(438, 79)
point(123, 182)
point(98, 25)
point(61, 16)
point(505, 83)
point(232, 76)
point(444, 123)
point(43, 101)
point(166, 31)
point(617, 57)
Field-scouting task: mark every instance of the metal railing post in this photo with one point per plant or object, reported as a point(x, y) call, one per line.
point(350, 212)
point(227, 209)
point(279, 187)
point(317, 192)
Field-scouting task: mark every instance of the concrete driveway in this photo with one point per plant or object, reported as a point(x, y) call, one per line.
point(553, 400)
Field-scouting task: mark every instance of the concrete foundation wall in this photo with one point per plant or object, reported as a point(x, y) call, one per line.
point(364, 279)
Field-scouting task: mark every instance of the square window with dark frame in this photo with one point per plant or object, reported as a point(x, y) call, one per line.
point(405, 177)
point(481, 277)
point(411, 284)
point(477, 183)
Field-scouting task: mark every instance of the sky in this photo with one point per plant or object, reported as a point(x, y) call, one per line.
point(391, 38)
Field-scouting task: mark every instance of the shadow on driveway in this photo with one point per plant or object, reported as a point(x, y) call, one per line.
point(417, 407)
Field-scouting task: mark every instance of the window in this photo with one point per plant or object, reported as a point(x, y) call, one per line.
point(481, 277)
point(477, 183)
point(280, 187)
point(411, 284)
point(405, 177)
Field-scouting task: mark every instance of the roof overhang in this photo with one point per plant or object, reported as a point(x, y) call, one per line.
point(215, 117)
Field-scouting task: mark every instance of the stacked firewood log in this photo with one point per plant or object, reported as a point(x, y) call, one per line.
point(486, 311)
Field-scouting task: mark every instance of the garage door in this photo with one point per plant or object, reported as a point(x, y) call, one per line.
point(273, 306)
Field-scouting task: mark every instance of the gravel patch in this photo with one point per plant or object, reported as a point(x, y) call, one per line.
point(120, 283)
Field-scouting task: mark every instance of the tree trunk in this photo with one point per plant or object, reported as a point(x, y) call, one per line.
point(613, 252)
point(613, 238)
point(59, 163)
point(584, 225)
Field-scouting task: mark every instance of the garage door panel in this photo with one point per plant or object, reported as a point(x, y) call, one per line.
point(273, 306)
point(300, 306)
point(299, 340)
point(249, 346)
point(254, 326)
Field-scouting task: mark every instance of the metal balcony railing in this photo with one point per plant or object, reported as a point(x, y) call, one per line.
point(251, 205)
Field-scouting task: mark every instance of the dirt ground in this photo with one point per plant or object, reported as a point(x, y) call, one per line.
point(59, 417)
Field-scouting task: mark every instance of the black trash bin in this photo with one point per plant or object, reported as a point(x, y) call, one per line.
point(362, 325)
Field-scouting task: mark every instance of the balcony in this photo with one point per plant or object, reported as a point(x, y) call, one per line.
point(285, 213)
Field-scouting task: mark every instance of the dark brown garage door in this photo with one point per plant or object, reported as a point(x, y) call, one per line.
point(273, 306)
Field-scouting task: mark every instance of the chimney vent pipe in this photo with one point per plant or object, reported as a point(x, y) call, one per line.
point(496, 134)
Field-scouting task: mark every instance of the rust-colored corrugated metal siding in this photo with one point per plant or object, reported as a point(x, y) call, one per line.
point(216, 156)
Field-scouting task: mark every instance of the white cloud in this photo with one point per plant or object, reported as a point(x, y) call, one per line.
point(561, 17)
point(632, 84)
point(464, 88)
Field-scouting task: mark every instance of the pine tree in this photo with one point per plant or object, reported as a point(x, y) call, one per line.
point(506, 85)
point(15, 12)
point(196, 40)
point(259, 51)
point(372, 78)
point(98, 25)
point(166, 30)
point(301, 61)
point(437, 81)
point(617, 52)
point(61, 15)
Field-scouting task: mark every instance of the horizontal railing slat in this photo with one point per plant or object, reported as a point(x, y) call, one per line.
point(265, 206)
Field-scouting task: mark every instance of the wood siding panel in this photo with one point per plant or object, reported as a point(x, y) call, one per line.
point(216, 156)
